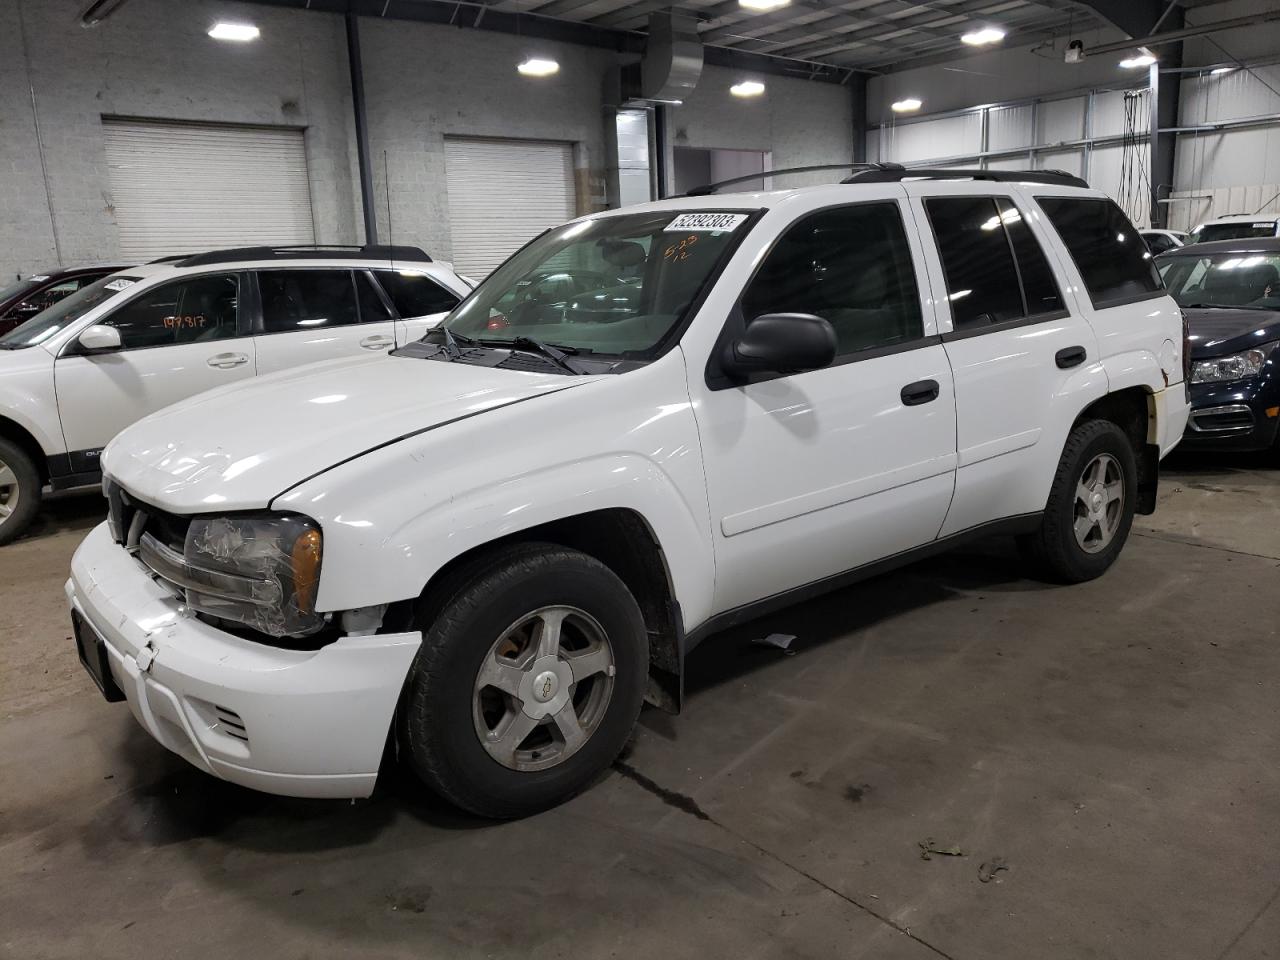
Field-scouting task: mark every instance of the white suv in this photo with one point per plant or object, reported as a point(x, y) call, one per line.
point(79, 372)
point(646, 425)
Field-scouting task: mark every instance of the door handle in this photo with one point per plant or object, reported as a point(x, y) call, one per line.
point(1070, 357)
point(377, 342)
point(226, 361)
point(922, 391)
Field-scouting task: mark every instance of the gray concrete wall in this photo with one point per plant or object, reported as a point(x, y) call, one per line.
point(798, 121)
point(152, 59)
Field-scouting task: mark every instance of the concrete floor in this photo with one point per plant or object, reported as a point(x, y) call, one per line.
point(1113, 744)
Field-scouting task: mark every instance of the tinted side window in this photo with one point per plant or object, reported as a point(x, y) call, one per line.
point(306, 299)
point(982, 281)
point(1113, 260)
point(1039, 287)
point(372, 309)
point(852, 267)
point(416, 294)
point(184, 311)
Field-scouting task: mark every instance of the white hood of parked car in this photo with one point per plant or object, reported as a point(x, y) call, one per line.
point(240, 446)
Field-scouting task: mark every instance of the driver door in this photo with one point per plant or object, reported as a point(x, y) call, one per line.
point(177, 339)
point(812, 474)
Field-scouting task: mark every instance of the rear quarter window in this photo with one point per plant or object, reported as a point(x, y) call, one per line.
point(1110, 254)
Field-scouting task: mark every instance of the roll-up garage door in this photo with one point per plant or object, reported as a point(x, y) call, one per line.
point(181, 188)
point(503, 193)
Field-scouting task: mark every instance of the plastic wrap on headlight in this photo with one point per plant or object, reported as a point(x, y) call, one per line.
point(275, 560)
point(1238, 366)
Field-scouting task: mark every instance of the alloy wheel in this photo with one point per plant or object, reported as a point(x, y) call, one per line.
point(543, 688)
point(1099, 503)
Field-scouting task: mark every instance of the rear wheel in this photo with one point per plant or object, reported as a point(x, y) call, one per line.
point(19, 491)
point(1090, 508)
point(528, 682)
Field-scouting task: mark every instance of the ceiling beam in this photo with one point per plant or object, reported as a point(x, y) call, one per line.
point(925, 23)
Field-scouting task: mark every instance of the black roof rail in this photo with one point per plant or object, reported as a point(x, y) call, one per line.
point(172, 258)
point(709, 188)
point(315, 251)
point(892, 173)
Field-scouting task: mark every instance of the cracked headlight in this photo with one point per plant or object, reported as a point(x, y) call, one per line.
point(261, 570)
point(1238, 366)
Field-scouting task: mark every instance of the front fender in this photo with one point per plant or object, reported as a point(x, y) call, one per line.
point(395, 517)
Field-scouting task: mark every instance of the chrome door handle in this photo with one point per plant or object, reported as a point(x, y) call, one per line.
point(226, 361)
point(377, 342)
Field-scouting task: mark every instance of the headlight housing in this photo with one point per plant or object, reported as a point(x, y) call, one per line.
point(262, 570)
point(1237, 366)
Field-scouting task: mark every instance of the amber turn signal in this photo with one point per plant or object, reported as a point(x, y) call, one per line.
point(306, 569)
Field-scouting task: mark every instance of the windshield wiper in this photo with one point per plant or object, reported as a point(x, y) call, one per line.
point(557, 355)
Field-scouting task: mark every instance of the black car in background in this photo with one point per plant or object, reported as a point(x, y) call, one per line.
point(23, 299)
point(1229, 291)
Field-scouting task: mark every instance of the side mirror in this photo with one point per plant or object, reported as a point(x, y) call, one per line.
point(781, 343)
point(99, 338)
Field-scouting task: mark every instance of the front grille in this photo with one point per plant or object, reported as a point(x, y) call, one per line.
point(129, 518)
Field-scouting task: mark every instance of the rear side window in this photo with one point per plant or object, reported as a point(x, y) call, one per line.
point(307, 299)
point(852, 267)
point(977, 258)
point(416, 294)
point(1113, 260)
point(1039, 288)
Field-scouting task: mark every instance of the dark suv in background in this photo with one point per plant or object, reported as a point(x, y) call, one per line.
point(1229, 291)
point(23, 299)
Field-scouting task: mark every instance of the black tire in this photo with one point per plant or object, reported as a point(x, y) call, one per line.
point(27, 489)
point(437, 723)
point(1053, 549)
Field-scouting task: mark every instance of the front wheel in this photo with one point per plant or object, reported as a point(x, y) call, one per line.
point(1090, 508)
point(19, 491)
point(528, 682)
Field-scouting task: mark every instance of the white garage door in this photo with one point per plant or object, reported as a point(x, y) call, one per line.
point(182, 188)
point(502, 194)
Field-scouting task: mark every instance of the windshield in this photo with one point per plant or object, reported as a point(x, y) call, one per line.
point(18, 288)
point(1233, 231)
point(66, 311)
point(1224, 280)
point(613, 285)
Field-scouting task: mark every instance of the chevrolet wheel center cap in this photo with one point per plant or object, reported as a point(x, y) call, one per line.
point(545, 686)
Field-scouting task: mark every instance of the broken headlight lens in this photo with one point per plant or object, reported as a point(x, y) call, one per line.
point(271, 568)
point(1238, 366)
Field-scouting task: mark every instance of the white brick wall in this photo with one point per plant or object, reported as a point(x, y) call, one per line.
point(422, 82)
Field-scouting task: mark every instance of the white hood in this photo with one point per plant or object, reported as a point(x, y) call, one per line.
point(240, 446)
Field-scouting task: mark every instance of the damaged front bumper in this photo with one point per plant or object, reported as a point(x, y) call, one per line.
point(310, 723)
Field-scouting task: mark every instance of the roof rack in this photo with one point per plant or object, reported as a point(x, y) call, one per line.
point(893, 173)
point(315, 251)
point(172, 258)
point(710, 188)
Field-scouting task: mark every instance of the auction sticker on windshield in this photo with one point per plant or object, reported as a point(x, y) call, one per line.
point(118, 284)
point(718, 222)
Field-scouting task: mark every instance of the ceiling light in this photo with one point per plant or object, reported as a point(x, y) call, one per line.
point(980, 38)
point(763, 6)
point(747, 88)
point(538, 67)
point(242, 32)
point(1145, 58)
point(908, 105)
point(1218, 71)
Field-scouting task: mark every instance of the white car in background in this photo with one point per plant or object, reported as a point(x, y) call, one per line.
point(1236, 226)
point(1162, 241)
point(76, 374)
point(647, 425)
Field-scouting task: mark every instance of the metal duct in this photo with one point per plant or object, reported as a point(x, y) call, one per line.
point(672, 58)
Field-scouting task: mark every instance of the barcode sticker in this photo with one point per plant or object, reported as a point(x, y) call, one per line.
point(118, 284)
point(717, 222)
point(39, 279)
